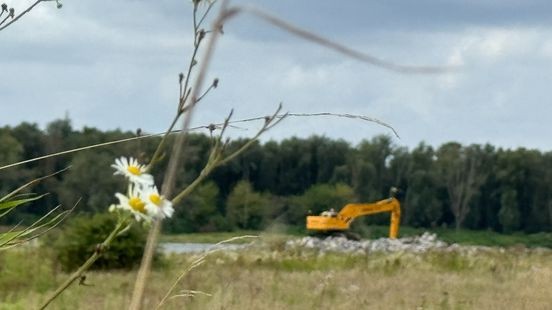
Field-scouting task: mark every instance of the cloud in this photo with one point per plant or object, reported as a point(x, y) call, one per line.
point(115, 64)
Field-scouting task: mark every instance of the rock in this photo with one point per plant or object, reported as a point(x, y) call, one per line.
point(418, 244)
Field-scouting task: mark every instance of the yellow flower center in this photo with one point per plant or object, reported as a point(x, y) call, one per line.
point(134, 170)
point(156, 199)
point(137, 204)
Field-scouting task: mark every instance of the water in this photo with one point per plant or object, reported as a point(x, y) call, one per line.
point(178, 247)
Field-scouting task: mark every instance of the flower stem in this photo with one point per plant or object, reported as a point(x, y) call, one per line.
point(183, 97)
point(84, 267)
point(157, 154)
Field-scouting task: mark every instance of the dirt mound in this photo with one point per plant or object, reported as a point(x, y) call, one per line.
point(425, 242)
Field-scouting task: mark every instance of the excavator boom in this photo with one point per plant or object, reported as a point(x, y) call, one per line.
point(342, 220)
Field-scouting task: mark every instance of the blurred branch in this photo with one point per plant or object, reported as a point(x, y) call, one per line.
point(79, 149)
point(218, 156)
point(183, 81)
point(174, 161)
point(340, 48)
point(196, 263)
point(340, 115)
point(27, 10)
point(217, 126)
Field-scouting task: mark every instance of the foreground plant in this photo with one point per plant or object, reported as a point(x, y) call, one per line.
point(17, 236)
point(11, 16)
point(195, 263)
point(141, 203)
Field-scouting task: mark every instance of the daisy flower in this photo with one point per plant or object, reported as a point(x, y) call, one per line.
point(131, 169)
point(133, 203)
point(156, 205)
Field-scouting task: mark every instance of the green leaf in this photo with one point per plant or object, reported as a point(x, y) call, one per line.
point(15, 203)
point(38, 228)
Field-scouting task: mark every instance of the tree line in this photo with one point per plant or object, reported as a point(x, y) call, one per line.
point(463, 186)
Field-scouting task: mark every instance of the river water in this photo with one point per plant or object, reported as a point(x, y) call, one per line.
point(177, 247)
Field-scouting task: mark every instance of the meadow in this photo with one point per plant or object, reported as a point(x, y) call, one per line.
point(271, 277)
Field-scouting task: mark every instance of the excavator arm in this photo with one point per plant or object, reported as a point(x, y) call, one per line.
point(342, 220)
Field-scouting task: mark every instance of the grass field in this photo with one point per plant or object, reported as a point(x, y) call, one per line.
point(272, 278)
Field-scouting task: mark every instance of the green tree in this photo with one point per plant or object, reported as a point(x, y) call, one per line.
point(199, 212)
point(460, 169)
point(91, 180)
point(10, 151)
point(245, 207)
point(509, 212)
point(371, 178)
point(422, 206)
point(318, 198)
point(32, 139)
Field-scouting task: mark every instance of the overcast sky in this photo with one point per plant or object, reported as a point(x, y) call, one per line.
point(115, 64)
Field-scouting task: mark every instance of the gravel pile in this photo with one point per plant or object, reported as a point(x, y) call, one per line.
point(417, 244)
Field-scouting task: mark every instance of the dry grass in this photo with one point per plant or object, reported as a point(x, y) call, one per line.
point(271, 279)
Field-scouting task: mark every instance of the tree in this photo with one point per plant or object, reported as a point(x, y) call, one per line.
point(509, 212)
point(245, 207)
point(32, 139)
point(370, 168)
point(422, 205)
point(318, 198)
point(462, 176)
point(199, 212)
point(10, 151)
point(91, 180)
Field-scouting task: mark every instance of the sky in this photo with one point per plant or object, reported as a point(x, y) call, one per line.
point(115, 64)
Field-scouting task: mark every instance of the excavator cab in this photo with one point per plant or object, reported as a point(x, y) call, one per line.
point(329, 213)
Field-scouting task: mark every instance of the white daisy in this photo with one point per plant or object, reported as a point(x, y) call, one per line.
point(113, 208)
point(134, 204)
point(156, 205)
point(131, 169)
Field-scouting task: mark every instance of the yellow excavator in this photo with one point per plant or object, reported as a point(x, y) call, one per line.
point(331, 221)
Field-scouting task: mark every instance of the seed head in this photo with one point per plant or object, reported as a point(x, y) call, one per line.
point(201, 34)
point(4, 7)
point(215, 83)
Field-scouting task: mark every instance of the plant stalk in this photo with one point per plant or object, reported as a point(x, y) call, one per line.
point(84, 267)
